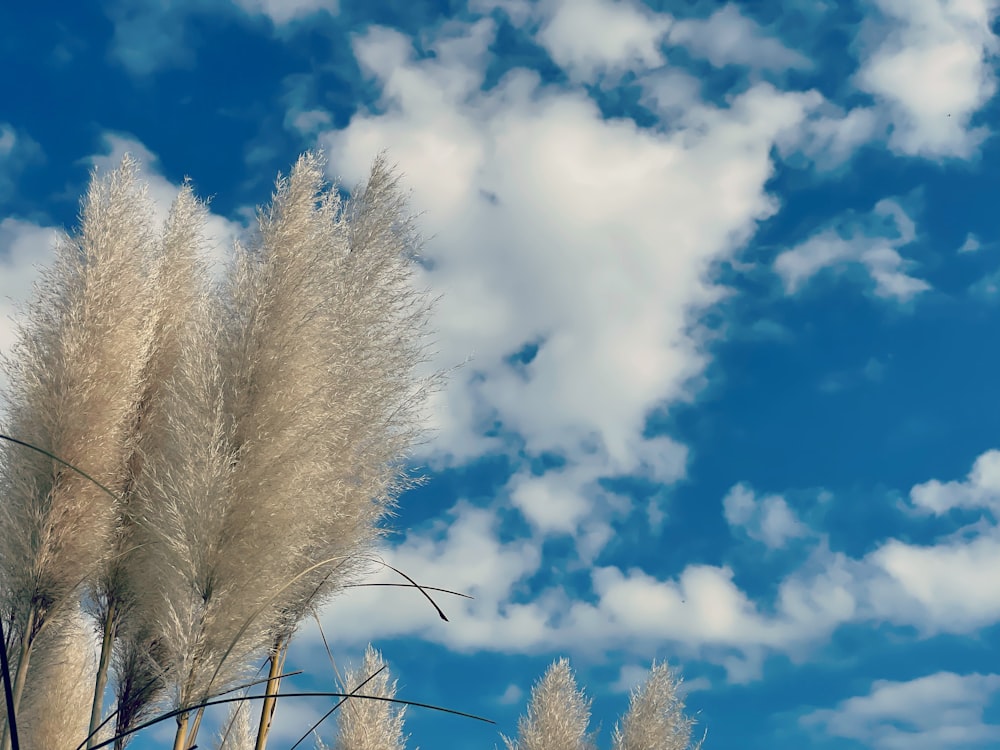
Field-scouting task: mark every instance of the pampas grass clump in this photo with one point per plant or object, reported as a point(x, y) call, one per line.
point(189, 470)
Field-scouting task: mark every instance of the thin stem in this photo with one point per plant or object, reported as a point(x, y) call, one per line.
point(195, 726)
point(22, 670)
point(8, 693)
point(102, 672)
point(273, 683)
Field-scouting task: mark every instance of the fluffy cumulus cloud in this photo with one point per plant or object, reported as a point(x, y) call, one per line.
point(980, 489)
point(942, 587)
point(553, 226)
point(766, 519)
point(633, 37)
point(465, 555)
point(877, 254)
point(938, 710)
point(701, 612)
point(930, 64)
point(939, 588)
point(832, 135)
point(727, 37)
point(629, 39)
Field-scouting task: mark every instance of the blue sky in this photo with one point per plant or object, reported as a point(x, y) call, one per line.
point(726, 276)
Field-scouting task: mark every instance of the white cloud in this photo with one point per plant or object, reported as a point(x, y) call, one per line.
point(630, 676)
point(971, 244)
point(148, 37)
point(927, 713)
point(940, 588)
point(701, 613)
point(766, 519)
point(729, 38)
point(928, 64)
point(309, 121)
point(511, 695)
point(671, 94)
point(884, 263)
point(518, 11)
point(549, 503)
point(873, 370)
point(832, 136)
point(17, 150)
point(828, 248)
point(986, 287)
point(980, 490)
point(7, 140)
point(463, 555)
point(24, 247)
point(283, 11)
point(822, 250)
point(594, 242)
point(588, 37)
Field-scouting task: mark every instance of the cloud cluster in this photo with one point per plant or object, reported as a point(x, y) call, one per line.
point(939, 710)
point(876, 253)
point(928, 62)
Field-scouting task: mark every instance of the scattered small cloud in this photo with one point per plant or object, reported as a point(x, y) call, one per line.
point(986, 288)
point(150, 37)
point(629, 39)
point(309, 121)
point(513, 694)
point(980, 489)
point(877, 254)
point(939, 710)
point(874, 370)
point(871, 372)
point(17, 151)
point(727, 37)
point(971, 244)
point(832, 135)
point(285, 11)
point(765, 519)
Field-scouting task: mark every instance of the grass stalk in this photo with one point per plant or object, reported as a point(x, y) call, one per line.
point(193, 728)
point(101, 681)
point(180, 739)
point(17, 690)
point(273, 683)
point(11, 722)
